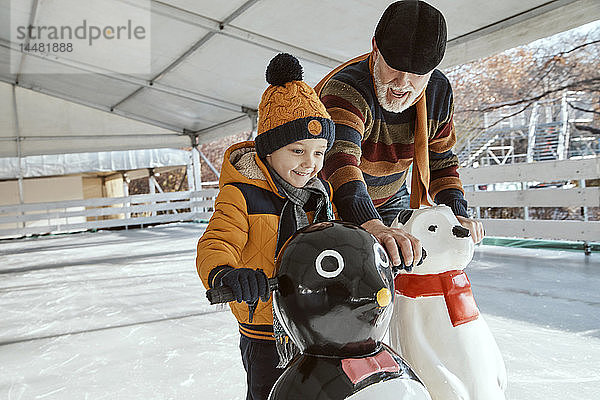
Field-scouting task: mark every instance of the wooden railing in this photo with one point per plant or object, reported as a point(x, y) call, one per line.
point(523, 176)
point(80, 215)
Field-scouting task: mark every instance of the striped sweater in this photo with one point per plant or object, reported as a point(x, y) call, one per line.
point(373, 148)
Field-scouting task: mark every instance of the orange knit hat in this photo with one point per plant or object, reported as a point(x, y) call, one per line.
point(289, 109)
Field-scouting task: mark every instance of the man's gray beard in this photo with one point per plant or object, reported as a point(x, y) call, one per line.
point(381, 89)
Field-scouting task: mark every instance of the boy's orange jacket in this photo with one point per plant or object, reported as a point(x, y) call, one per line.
point(243, 230)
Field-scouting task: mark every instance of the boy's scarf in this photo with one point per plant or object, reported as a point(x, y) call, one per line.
point(292, 218)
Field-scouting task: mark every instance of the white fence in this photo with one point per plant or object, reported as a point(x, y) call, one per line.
point(524, 175)
point(89, 214)
point(81, 215)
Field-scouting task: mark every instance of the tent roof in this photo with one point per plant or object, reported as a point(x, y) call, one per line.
point(207, 60)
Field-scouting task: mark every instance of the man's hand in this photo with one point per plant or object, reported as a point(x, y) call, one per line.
point(474, 226)
point(394, 238)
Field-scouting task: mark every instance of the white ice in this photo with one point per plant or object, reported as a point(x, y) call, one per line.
point(123, 315)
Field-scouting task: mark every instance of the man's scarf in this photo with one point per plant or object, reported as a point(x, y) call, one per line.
point(419, 185)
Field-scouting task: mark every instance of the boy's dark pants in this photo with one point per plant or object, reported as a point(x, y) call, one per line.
point(260, 360)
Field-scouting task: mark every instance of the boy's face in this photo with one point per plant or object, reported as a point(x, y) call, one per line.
point(298, 162)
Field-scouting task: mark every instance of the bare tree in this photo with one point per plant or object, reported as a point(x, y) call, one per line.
point(524, 75)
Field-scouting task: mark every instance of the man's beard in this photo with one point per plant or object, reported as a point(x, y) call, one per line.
point(381, 90)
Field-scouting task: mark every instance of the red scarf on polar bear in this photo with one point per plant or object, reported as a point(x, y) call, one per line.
point(453, 285)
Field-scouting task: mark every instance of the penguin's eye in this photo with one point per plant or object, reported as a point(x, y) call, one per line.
point(381, 258)
point(329, 263)
point(432, 228)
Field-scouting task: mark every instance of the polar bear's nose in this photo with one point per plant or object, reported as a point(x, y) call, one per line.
point(460, 231)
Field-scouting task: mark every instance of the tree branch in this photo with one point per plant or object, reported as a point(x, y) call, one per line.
point(579, 47)
point(533, 98)
point(591, 129)
point(582, 109)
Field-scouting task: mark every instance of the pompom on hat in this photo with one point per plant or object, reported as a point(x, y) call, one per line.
point(289, 109)
point(411, 36)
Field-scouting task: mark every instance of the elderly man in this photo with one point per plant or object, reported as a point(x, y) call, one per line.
point(392, 108)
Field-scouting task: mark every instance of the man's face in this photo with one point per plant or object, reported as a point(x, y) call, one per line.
point(300, 161)
point(396, 90)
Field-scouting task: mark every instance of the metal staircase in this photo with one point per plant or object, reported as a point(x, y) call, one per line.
point(476, 146)
point(547, 137)
point(546, 127)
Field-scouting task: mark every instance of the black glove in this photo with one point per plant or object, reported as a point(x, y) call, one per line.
point(247, 284)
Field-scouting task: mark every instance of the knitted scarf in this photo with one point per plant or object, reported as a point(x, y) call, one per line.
point(292, 218)
point(420, 168)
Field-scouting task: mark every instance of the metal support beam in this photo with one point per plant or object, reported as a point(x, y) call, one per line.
point(90, 137)
point(126, 193)
point(279, 46)
point(19, 152)
point(151, 188)
point(562, 149)
point(189, 52)
point(210, 165)
point(234, 32)
point(96, 106)
point(531, 133)
point(510, 21)
point(215, 27)
point(219, 125)
point(552, 17)
point(178, 131)
point(507, 151)
point(586, 217)
point(113, 75)
point(194, 171)
point(253, 115)
point(194, 137)
point(179, 60)
point(156, 184)
point(206, 134)
point(32, 16)
point(197, 169)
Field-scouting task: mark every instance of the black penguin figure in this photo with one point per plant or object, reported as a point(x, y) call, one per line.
point(334, 299)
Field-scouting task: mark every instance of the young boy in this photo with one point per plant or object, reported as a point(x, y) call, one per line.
point(268, 189)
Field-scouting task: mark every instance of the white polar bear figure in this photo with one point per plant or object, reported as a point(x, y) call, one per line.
point(436, 325)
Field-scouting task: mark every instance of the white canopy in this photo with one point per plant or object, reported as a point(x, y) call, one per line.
point(206, 63)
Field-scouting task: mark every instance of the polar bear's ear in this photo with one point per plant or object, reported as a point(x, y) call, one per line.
point(404, 216)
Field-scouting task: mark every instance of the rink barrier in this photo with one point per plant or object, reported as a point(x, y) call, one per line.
point(139, 210)
point(109, 212)
point(565, 181)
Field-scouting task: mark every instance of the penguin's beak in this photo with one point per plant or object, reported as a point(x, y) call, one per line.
point(384, 297)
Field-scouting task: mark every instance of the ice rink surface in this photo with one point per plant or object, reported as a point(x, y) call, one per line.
point(123, 315)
